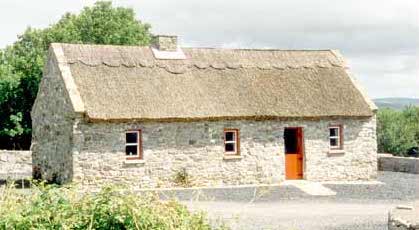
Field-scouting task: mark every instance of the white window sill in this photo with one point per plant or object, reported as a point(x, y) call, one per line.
point(232, 157)
point(336, 152)
point(134, 162)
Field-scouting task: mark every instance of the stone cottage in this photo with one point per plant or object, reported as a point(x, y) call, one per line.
point(143, 114)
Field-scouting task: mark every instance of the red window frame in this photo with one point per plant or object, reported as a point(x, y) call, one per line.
point(139, 145)
point(236, 142)
point(339, 137)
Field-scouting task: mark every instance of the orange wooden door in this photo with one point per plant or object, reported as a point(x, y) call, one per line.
point(293, 153)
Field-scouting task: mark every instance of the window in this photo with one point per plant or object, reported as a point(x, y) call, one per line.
point(133, 148)
point(231, 141)
point(335, 137)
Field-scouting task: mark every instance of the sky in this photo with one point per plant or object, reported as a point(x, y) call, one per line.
point(379, 38)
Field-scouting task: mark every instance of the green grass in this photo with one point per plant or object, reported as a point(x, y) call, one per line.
point(51, 207)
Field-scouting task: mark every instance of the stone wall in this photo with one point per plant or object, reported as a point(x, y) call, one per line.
point(388, 162)
point(358, 161)
point(99, 153)
point(52, 127)
point(404, 218)
point(15, 165)
point(165, 42)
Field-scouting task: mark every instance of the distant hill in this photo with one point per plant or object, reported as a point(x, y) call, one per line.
point(396, 102)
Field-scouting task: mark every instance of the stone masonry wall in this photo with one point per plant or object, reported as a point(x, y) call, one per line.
point(358, 161)
point(15, 165)
point(388, 162)
point(166, 43)
point(52, 127)
point(99, 153)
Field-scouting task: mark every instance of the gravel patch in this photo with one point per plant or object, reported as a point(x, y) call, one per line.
point(395, 187)
point(240, 194)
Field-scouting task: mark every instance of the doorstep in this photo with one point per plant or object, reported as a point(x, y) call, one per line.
point(310, 187)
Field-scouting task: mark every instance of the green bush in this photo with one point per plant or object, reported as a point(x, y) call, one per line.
point(182, 178)
point(397, 131)
point(46, 207)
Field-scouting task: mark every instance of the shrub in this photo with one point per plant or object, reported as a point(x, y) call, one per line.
point(182, 178)
point(397, 131)
point(49, 207)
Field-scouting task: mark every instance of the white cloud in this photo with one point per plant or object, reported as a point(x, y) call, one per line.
point(387, 76)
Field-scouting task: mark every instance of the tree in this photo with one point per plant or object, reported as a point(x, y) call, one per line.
point(21, 64)
point(9, 92)
point(397, 131)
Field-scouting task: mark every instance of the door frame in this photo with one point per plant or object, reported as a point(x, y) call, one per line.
point(301, 145)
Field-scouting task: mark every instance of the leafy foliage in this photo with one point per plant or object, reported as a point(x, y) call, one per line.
point(49, 207)
point(21, 64)
point(397, 131)
point(182, 178)
point(10, 116)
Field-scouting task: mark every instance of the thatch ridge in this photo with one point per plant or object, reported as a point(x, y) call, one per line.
point(141, 56)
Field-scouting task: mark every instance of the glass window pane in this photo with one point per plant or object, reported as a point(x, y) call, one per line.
point(131, 150)
point(334, 142)
point(229, 136)
point(131, 137)
point(229, 147)
point(333, 132)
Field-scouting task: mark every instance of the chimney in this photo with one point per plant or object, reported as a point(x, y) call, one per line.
point(165, 42)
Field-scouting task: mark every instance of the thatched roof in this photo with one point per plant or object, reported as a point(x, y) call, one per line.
point(127, 82)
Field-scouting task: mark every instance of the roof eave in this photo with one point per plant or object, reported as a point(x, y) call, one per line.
point(220, 118)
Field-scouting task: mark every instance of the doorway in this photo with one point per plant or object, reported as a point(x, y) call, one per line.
point(293, 141)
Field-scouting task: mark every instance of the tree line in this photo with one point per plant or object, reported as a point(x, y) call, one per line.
point(22, 62)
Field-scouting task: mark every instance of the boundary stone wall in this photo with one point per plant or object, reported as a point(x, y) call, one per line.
point(388, 162)
point(15, 165)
